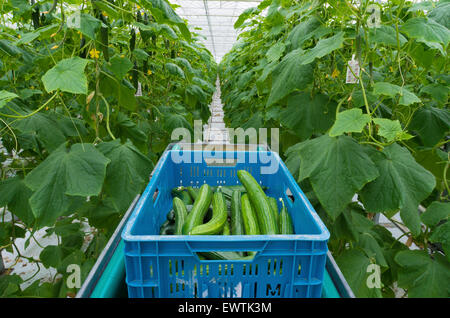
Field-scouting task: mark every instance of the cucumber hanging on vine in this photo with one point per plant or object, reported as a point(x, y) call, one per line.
point(104, 40)
point(152, 36)
point(145, 66)
point(138, 16)
point(134, 76)
point(35, 14)
point(103, 34)
point(168, 48)
point(132, 40)
point(145, 35)
point(83, 50)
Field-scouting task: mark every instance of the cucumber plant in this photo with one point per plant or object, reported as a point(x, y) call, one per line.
point(90, 92)
point(359, 91)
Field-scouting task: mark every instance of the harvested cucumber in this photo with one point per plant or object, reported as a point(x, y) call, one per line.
point(193, 193)
point(180, 212)
point(248, 216)
point(199, 209)
point(286, 226)
point(218, 220)
point(274, 206)
point(226, 229)
point(181, 193)
point(260, 203)
point(237, 223)
point(186, 198)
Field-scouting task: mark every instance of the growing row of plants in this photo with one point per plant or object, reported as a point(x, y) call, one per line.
point(90, 92)
point(379, 132)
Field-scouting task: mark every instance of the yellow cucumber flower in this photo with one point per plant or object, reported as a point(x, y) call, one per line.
point(335, 73)
point(94, 53)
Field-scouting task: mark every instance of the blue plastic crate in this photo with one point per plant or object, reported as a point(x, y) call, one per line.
point(287, 266)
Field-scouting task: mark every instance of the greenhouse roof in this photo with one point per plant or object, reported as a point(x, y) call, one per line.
point(216, 19)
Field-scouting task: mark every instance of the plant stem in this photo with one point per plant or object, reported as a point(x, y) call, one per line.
point(445, 177)
point(71, 119)
point(34, 112)
point(372, 143)
point(12, 133)
point(107, 118)
point(97, 94)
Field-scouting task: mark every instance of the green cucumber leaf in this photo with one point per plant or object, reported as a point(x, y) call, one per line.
point(175, 70)
point(406, 97)
point(337, 167)
point(120, 66)
point(426, 29)
point(303, 31)
point(47, 131)
point(354, 264)
point(441, 14)
point(436, 212)
point(51, 256)
point(290, 75)
point(244, 16)
point(441, 235)
point(15, 194)
point(351, 120)
point(5, 97)
point(275, 52)
point(68, 76)
point(128, 167)
point(85, 23)
point(438, 92)
point(431, 124)
point(390, 129)
point(402, 184)
point(434, 160)
point(306, 115)
point(67, 173)
point(371, 248)
point(422, 275)
point(324, 47)
point(385, 34)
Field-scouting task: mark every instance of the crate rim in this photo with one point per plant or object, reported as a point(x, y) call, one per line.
point(127, 236)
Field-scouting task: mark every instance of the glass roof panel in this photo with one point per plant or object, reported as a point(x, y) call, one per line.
point(216, 19)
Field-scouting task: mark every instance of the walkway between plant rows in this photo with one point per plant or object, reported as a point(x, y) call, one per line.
point(214, 130)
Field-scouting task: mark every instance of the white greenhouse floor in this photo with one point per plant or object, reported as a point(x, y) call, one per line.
point(215, 130)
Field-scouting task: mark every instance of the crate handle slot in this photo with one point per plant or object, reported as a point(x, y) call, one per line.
point(211, 162)
point(208, 256)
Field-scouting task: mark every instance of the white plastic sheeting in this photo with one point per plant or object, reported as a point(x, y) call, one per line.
point(216, 19)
